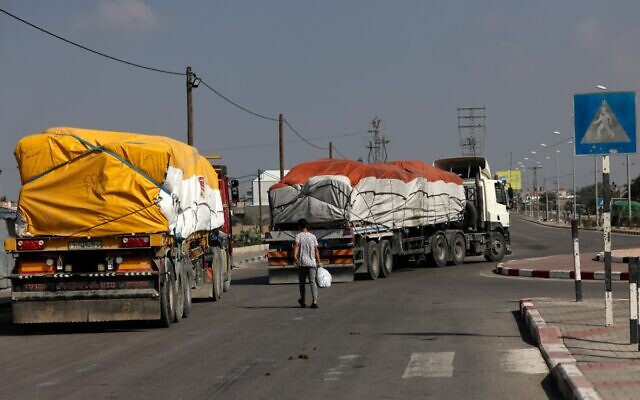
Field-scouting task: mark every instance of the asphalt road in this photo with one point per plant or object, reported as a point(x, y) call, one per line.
point(446, 333)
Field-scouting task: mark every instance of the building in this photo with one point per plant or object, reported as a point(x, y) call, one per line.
point(267, 178)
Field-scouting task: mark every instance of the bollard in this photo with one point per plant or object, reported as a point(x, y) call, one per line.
point(576, 259)
point(633, 300)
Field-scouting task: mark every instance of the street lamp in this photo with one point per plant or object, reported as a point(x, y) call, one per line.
point(546, 190)
point(558, 185)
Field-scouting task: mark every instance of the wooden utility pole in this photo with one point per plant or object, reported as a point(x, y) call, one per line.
point(330, 149)
point(189, 107)
point(281, 143)
point(260, 199)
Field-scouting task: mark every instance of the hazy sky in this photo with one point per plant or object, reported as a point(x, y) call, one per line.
point(328, 66)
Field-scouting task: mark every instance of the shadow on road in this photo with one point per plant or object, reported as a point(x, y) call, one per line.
point(254, 280)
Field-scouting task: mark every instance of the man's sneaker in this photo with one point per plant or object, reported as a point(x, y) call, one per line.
point(302, 304)
point(314, 305)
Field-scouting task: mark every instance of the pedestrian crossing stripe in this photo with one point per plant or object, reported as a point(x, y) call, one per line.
point(605, 127)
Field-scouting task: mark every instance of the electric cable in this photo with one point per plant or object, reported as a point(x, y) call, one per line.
point(228, 100)
point(164, 71)
point(303, 138)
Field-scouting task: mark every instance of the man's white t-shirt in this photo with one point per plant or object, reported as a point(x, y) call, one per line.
point(307, 244)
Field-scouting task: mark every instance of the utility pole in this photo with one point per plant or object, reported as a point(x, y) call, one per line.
point(281, 143)
point(377, 147)
point(472, 121)
point(330, 149)
point(260, 199)
point(189, 107)
point(535, 169)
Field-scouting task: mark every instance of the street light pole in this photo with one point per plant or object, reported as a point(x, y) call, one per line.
point(628, 192)
point(595, 176)
point(546, 192)
point(558, 186)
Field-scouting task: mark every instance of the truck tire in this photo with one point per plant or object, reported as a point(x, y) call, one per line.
point(439, 250)
point(497, 247)
point(386, 258)
point(458, 249)
point(168, 295)
point(373, 260)
point(217, 266)
point(178, 285)
point(227, 280)
point(186, 287)
point(166, 314)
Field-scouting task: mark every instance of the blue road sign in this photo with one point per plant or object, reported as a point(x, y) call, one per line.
point(605, 123)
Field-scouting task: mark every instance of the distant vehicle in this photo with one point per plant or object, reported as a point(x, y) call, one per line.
point(370, 218)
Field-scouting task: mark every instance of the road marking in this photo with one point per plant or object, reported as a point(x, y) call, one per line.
point(430, 365)
point(523, 361)
point(344, 362)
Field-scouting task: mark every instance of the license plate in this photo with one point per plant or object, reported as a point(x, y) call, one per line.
point(86, 244)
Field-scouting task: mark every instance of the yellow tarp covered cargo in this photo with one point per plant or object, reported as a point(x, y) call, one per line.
point(81, 182)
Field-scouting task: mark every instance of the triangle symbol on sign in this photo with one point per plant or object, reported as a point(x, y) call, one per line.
point(605, 128)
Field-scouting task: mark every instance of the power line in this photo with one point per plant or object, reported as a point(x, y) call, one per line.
point(225, 98)
point(302, 137)
point(219, 94)
point(337, 151)
point(271, 144)
point(91, 50)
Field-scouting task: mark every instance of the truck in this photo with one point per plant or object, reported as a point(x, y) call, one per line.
point(116, 226)
point(372, 218)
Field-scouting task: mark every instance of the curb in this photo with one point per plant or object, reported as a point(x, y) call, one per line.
point(250, 249)
point(613, 230)
point(252, 259)
point(622, 260)
point(571, 381)
point(558, 273)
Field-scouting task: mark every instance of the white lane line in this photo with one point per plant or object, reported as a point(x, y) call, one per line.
point(344, 362)
point(523, 361)
point(430, 365)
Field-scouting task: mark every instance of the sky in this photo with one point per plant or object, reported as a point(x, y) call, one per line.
point(330, 67)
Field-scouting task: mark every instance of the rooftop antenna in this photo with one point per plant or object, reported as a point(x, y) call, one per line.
point(472, 129)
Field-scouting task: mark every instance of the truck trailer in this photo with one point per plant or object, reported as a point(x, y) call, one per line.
point(116, 226)
point(372, 218)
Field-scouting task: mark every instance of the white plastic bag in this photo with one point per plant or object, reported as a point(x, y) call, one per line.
point(323, 278)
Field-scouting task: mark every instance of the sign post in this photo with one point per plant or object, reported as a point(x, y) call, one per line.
point(605, 123)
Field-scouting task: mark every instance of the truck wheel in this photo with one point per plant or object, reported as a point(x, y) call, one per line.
point(386, 258)
point(373, 260)
point(166, 315)
point(439, 251)
point(497, 247)
point(227, 281)
point(458, 249)
point(217, 266)
point(186, 287)
point(178, 287)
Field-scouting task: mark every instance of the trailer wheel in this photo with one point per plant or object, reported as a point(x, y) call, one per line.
point(217, 266)
point(168, 297)
point(458, 249)
point(373, 260)
point(166, 315)
point(178, 287)
point(497, 247)
point(187, 298)
point(439, 250)
point(227, 267)
point(386, 258)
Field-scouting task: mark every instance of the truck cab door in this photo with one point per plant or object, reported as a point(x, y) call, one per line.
point(496, 203)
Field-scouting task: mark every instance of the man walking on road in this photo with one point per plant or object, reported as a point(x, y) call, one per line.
point(307, 258)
